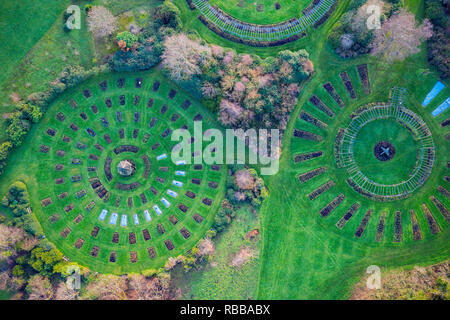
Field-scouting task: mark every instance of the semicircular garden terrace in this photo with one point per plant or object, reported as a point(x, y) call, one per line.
point(109, 196)
point(376, 172)
point(313, 14)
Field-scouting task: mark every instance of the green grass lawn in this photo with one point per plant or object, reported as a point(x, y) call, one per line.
point(221, 279)
point(5, 295)
point(403, 162)
point(262, 11)
point(307, 256)
point(40, 49)
point(302, 254)
point(38, 171)
point(22, 25)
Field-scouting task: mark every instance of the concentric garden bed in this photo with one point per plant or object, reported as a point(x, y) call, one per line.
point(378, 172)
point(229, 19)
point(403, 152)
point(109, 195)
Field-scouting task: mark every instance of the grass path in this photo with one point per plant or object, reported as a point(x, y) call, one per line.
point(22, 25)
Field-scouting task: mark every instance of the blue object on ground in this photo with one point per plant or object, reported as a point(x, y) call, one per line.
point(177, 183)
point(433, 93)
point(157, 209)
point(172, 193)
point(113, 219)
point(123, 220)
point(166, 203)
point(160, 157)
point(444, 106)
point(103, 215)
point(147, 216)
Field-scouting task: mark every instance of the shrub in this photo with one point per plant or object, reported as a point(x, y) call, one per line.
point(439, 43)
point(44, 261)
point(18, 128)
point(17, 199)
point(167, 14)
point(350, 37)
point(142, 59)
point(5, 148)
point(128, 38)
point(223, 217)
point(18, 271)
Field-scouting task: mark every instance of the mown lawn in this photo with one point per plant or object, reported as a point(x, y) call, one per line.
point(38, 48)
point(262, 11)
point(38, 171)
point(220, 279)
point(303, 255)
point(5, 295)
point(306, 256)
point(22, 24)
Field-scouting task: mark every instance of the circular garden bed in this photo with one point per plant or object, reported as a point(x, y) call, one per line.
point(384, 151)
point(383, 177)
point(375, 172)
point(110, 196)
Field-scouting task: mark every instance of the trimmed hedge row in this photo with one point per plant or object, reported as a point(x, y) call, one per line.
point(252, 43)
point(191, 5)
point(326, 15)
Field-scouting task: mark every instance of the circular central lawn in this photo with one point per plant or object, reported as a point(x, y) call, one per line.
point(400, 166)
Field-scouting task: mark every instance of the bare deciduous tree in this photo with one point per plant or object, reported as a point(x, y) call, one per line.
point(142, 288)
point(9, 236)
point(230, 113)
point(101, 22)
point(39, 288)
point(244, 180)
point(107, 287)
point(246, 59)
point(399, 37)
point(63, 292)
point(182, 57)
point(217, 51)
point(29, 243)
point(242, 257)
point(208, 90)
point(5, 280)
point(206, 247)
